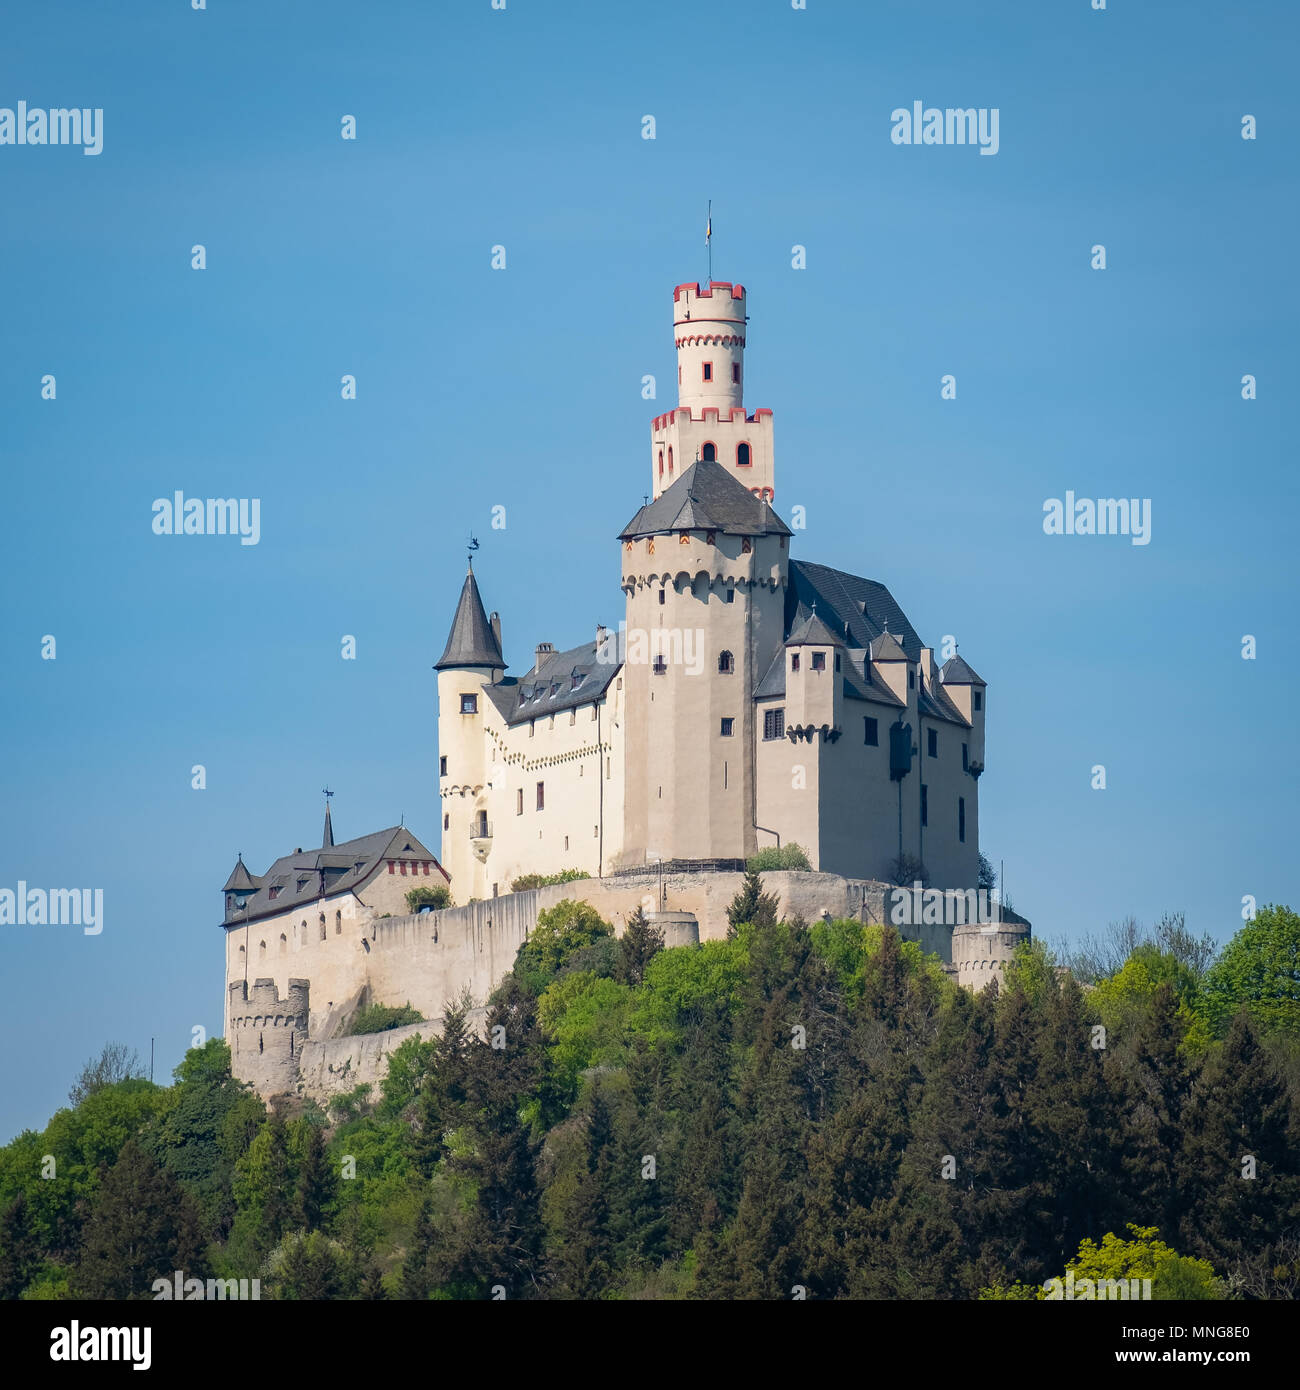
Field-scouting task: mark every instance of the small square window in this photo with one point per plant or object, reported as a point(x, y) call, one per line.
point(469, 704)
point(932, 742)
point(871, 732)
point(819, 661)
point(728, 727)
point(774, 723)
point(660, 666)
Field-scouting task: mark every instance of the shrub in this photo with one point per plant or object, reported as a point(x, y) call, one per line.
point(789, 856)
point(379, 1018)
point(439, 896)
point(907, 869)
point(526, 881)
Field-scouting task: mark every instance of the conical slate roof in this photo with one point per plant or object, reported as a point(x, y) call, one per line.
point(240, 880)
point(706, 498)
point(812, 632)
point(956, 672)
point(886, 648)
point(471, 641)
point(327, 840)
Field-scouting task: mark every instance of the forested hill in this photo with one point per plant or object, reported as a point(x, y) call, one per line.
point(796, 1111)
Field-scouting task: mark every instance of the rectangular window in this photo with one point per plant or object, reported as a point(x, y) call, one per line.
point(774, 724)
point(871, 732)
point(469, 704)
point(660, 666)
point(979, 700)
point(925, 805)
point(911, 679)
point(541, 796)
point(932, 742)
point(728, 725)
point(661, 596)
point(819, 661)
point(837, 661)
point(446, 822)
point(730, 596)
point(593, 714)
point(794, 661)
point(532, 727)
point(519, 801)
point(735, 371)
point(573, 716)
point(708, 371)
point(965, 757)
point(442, 767)
point(961, 819)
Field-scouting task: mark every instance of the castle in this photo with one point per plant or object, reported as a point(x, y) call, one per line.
point(745, 699)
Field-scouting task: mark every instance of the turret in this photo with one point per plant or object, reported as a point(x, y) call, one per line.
point(267, 1033)
point(710, 421)
point(969, 693)
point(239, 887)
point(471, 660)
point(814, 685)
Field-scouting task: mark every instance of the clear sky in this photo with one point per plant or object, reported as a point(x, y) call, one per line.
point(522, 388)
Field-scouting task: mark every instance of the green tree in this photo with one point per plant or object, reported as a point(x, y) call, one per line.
point(561, 930)
point(1259, 970)
point(437, 896)
point(1117, 1261)
point(142, 1226)
point(116, 1062)
point(314, 1188)
point(751, 905)
point(20, 1253)
point(639, 942)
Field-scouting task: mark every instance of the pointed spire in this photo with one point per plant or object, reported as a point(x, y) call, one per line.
point(240, 880)
point(471, 641)
point(327, 840)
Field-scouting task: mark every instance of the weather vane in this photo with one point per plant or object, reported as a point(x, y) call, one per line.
point(472, 547)
point(326, 793)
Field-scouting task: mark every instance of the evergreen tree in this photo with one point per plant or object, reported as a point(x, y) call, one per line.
point(1239, 1121)
point(751, 904)
point(142, 1226)
point(20, 1254)
point(637, 945)
point(315, 1186)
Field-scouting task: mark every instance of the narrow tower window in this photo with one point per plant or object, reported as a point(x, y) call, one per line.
point(726, 663)
point(742, 456)
point(708, 371)
point(961, 819)
point(735, 372)
point(709, 452)
point(661, 463)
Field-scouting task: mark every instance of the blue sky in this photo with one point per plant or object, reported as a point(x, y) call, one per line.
point(523, 388)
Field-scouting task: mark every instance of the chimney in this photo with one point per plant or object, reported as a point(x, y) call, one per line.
point(544, 649)
point(494, 622)
point(601, 633)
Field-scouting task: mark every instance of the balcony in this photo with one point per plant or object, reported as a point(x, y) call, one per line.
point(480, 837)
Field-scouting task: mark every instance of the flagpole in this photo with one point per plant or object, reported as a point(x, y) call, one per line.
point(709, 240)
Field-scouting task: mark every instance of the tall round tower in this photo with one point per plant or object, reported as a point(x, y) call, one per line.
point(710, 420)
point(471, 660)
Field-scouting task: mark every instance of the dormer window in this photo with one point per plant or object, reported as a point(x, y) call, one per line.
point(576, 679)
point(273, 893)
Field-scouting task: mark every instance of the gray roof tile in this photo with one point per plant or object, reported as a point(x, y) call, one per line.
point(471, 641)
point(706, 498)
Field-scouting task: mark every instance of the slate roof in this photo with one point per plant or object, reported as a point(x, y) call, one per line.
point(812, 632)
point(886, 648)
point(955, 671)
point(240, 879)
point(548, 686)
point(858, 609)
point(706, 498)
point(306, 875)
point(471, 641)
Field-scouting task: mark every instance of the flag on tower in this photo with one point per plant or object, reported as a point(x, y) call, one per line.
point(708, 228)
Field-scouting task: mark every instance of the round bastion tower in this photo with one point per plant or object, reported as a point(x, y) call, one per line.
point(710, 420)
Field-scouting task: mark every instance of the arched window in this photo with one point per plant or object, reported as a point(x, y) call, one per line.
point(661, 463)
point(284, 943)
point(726, 663)
point(261, 950)
point(670, 459)
point(322, 927)
point(338, 923)
point(742, 456)
point(709, 452)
